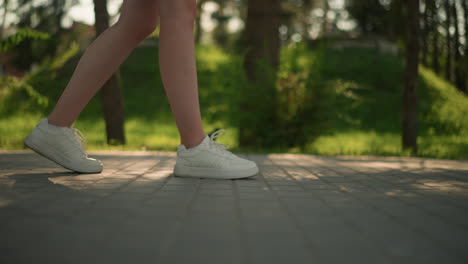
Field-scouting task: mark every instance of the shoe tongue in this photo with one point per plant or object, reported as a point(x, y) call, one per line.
point(206, 140)
point(181, 147)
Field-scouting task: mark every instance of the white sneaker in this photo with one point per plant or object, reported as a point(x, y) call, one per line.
point(212, 160)
point(63, 145)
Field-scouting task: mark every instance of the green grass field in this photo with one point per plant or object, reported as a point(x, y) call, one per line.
point(358, 105)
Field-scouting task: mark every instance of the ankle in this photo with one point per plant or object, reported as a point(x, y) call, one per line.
point(54, 123)
point(193, 142)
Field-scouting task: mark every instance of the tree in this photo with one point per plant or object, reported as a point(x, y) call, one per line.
point(43, 16)
point(465, 20)
point(220, 33)
point(296, 18)
point(409, 138)
point(198, 27)
point(326, 9)
point(433, 7)
point(459, 79)
point(425, 32)
point(5, 8)
point(111, 97)
point(371, 16)
point(304, 17)
point(261, 37)
point(448, 41)
point(465, 64)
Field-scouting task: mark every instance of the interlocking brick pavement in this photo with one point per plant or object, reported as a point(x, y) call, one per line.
point(299, 209)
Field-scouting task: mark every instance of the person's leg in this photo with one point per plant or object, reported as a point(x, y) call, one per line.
point(178, 68)
point(137, 20)
point(198, 155)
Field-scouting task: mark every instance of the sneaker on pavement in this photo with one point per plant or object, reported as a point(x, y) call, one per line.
point(211, 159)
point(62, 145)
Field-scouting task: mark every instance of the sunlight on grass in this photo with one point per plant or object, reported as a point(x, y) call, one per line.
point(14, 129)
point(372, 143)
point(450, 106)
point(356, 143)
point(452, 147)
point(356, 96)
point(144, 135)
point(210, 56)
point(141, 134)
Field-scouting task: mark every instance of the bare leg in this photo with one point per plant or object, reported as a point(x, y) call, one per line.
point(178, 68)
point(137, 20)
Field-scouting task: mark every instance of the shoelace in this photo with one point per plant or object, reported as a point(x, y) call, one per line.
point(219, 146)
point(79, 136)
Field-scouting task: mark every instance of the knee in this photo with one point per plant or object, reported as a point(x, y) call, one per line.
point(178, 9)
point(138, 29)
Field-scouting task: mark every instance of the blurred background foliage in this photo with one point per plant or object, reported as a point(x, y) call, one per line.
point(337, 90)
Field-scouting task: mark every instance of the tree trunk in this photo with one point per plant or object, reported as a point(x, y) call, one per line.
point(435, 36)
point(198, 27)
point(459, 78)
point(59, 9)
point(111, 96)
point(465, 15)
point(263, 43)
point(409, 139)
point(326, 8)
point(465, 61)
point(448, 41)
point(425, 32)
point(262, 35)
point(305, 24)
point(219, 33)
point(3, 20)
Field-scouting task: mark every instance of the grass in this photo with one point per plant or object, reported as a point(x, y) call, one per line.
point(387, 144)
point(357, 94)
point(148, 125)
point(363, 108)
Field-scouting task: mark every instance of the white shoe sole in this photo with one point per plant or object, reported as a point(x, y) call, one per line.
point(28, 142)
point(213, 173)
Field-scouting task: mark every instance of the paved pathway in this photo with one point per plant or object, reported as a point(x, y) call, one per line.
point(300, 209)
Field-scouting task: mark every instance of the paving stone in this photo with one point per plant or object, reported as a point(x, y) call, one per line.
point(299, 209)
point(138, 189)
